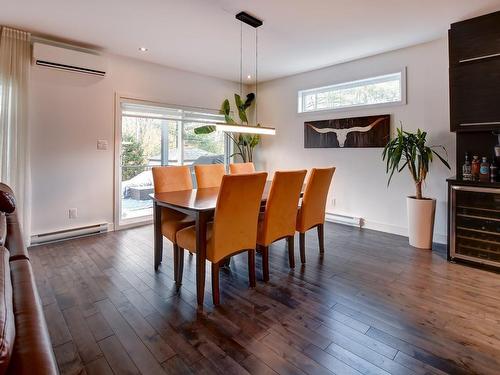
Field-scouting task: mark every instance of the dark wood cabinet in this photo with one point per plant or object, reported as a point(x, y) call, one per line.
point(474, 52)
point(475, 39)
point(475, 95)
point(474, 206)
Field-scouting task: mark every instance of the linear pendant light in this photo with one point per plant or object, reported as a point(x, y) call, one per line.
point(248, 129)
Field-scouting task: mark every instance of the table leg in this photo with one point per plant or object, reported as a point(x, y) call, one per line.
point(201, 255)
point(158, 240)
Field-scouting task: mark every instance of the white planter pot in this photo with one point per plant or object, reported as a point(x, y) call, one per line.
point(421, 221)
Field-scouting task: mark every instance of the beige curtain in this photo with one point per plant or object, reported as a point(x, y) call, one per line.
point(15, 55)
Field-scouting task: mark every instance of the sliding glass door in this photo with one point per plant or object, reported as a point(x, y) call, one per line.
point(152, 135)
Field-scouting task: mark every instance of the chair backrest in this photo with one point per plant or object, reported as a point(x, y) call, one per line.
point(209, 175)
point(171, 178)
point(280, 216)
point(236, 214)
point(312, 211)
point(237, 168)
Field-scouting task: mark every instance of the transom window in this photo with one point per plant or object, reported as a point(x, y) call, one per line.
point(379, 90)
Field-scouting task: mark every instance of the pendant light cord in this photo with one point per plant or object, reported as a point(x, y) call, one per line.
point(241, 58)
point(256, 72)
point(256, 66)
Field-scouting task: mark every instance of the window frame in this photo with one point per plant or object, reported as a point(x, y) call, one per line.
point(120, 223)
point(403, 101)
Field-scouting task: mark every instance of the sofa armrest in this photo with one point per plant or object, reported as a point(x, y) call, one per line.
point(32, 352)
point(14, 240)
point(7, 320)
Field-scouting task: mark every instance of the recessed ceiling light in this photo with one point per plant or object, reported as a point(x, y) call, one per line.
point(249, 76)
point(143, 49)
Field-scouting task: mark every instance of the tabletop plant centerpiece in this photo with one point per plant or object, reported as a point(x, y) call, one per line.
point(410, 150)
point(244, 143)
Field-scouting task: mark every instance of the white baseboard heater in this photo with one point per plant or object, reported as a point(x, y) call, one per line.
point(66, 234)
point(343, 219)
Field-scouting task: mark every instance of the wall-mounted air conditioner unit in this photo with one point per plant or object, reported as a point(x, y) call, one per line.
point(68, 59)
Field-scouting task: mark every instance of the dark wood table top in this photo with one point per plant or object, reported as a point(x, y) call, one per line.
point(196, 199)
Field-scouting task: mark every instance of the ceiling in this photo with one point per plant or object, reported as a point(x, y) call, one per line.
point(203, 36)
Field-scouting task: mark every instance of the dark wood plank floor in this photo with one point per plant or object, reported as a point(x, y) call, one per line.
point(371, 305)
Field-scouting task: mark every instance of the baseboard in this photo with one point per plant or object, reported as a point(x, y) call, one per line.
point(69, 233)
point(344, 219)
point(382, 227)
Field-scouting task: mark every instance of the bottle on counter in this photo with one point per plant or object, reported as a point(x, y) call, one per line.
point(467, 169)
point(484, 170)
point(493, 171)
point(475, 168)
point(497, 147)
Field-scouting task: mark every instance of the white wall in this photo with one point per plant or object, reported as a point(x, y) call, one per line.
point(360, 183)
point(69, 112)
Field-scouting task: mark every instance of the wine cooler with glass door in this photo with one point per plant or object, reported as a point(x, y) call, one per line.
point(474, 192)
point(474, 233)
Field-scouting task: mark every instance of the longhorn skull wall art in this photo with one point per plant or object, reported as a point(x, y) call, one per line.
point(368, 131)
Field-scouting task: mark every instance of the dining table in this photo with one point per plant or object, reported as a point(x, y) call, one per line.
point(200, 205)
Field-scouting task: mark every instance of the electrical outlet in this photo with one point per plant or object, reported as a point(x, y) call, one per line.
point(73, 213)
point(333, 201)
point(102, 144)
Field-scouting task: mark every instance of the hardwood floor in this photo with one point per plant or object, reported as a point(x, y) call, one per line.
point(370, 305)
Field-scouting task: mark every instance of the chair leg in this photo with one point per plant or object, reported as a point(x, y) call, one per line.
point(215, 283)
point(251, 268)
point(321, 238)
point(265, 262)
point(176, 263)
point(180, 263)
point(291, 251)
point(302, 240)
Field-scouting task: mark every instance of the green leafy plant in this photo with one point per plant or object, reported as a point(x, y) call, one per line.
point(410, 150)
point(245, 143)
point(133, 157)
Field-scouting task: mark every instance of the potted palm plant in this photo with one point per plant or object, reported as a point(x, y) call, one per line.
point(244, 143)
point(409, 150)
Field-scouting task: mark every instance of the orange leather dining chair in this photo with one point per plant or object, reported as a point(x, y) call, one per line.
point(234, 228)
point(209, 175)
point(237, 168)
point(166, 179)
point(279, 219)
point(312, 211)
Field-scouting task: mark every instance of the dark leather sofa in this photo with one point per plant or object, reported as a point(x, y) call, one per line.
point(25, 346)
